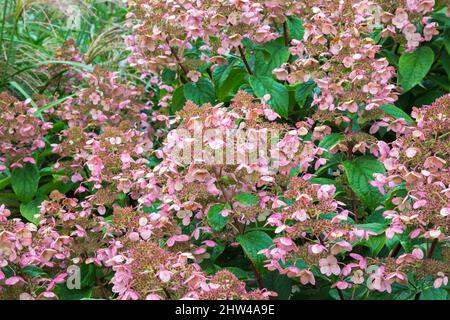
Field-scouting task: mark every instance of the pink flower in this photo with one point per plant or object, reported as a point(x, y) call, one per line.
point(164, 275)
point(400, 19)
point(342, 285)
point(178, 238)
point(398, 276)
point(194, 75)
point(316, 248)
point(153, 296)
point(280, 73)
point(340, 246)
point(378, 282)
point(14, 280)
point(362, 261)
point(442, 279)
point(300, 215)
point(358, 277)
point(394, 228)
point(306, 277)
point(329, 266)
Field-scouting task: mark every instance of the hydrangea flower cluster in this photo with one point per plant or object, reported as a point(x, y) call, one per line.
point(417, 168)
point(21, 132)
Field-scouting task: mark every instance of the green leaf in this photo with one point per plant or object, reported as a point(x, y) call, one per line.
point(428, 98)
point(281, 284)
point(252, 242)
point(295, 27)
point(215, 219)
point(238, 272)
point(304, 92)
point(88, 275)
point(66, 294)
point(279, 100)
point(442, 82)
point(33, 271)
point(434, 294)
point(247, 199)
point(447, 38)
point(4, 182)
point(271, 56)
point(413, 67)
point(200, 92)
point(396, 113)
point(229, 81)
point(178, 99)
point(446, 62)
point(76, 65)
point(376, 217)
point(9, 199)
point(25, 182)
point(168, 76)
point(216, 251)
point(375, 244)
point(24, 94)
point(359, 173)
point(330, 140)
point(30, 209)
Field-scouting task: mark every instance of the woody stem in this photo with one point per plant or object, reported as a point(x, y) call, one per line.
point(175, 54)
point(242, 53)
point(433, 247)
point(350, 157)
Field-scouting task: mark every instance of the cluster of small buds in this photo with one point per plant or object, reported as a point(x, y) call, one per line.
point(418, 158)
point(21, 132)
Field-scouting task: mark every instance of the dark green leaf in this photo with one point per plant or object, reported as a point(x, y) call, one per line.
point(33, 271)
point(413, 67)
point(30, 209)
point(279, 100)
point(295, 28)
point(247, 199)
point(215, 219)
point(375, 244)
point(228, 82)
point(252, 242)
point(434, 294)
point(304, 92)
point(200, 92)
point(396, 113)
point(238, 272)
point(281, 284)
point(359, 173)
point(25, 182)
point(178, 99)
point(330, 140)
point(271, 56)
